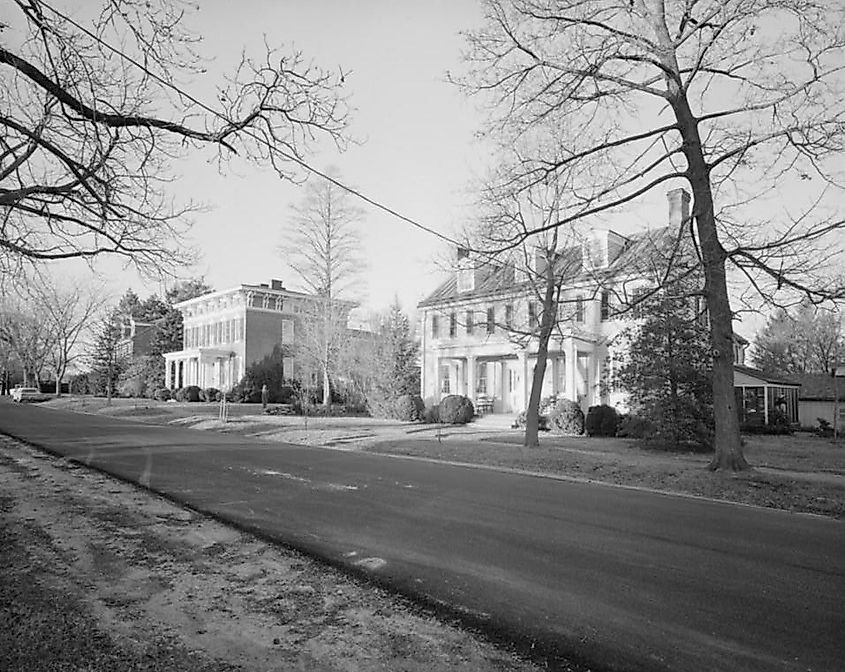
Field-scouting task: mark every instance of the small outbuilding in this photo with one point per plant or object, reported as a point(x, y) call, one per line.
point(822, 396)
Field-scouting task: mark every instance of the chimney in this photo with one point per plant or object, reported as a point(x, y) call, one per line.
point(678, 206)
point(276, 284)
point(462, 253)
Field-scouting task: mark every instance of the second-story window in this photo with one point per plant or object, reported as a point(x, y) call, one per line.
point(491, 320)
point(470, 322)
point(453, 325)
point(435, 326)
point(532, 315)
point(579, 308)
point(605, 306)
point(509, 315)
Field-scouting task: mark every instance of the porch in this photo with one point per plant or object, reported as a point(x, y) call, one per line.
point(204, 367)
point(500, 384)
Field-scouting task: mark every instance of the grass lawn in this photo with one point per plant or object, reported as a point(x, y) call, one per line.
point(798, 473)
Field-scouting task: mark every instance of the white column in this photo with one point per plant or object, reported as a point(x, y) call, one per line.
point(471, 374)
point(571, 369)
point(167, 373)
point(524, 378)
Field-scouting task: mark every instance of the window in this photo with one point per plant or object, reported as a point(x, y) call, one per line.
point(435, 326)
point(469, 319)
point(491, 320)
point(287, 331)
point(605, 306)
point(509, 315)
point(532, 315)
point(445, 386)
point(579, 308)
point(453, 325)
point(481, 384)
point(287, 367)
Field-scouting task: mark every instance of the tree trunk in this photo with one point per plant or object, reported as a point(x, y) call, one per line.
point(327, 393)
point(532, 414)
point(728, 447)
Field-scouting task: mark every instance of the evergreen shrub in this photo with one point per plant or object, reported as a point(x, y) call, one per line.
point(566, 417)
point(456, 410)
point(162, 394)
point(408, 408)
point(522, 419)
point(191, 393)
point(211, 394)
point(601, 420)
point(635, 427)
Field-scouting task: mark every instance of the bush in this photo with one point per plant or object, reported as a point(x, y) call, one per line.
point(408, 407)
point(522, 419)
point(601, 421)
point(566, 417)
point(191, 393)
point(323, 411)
point(162, 394)
point(212, 394)
point(635, 427)
point(431, 414)
point(456, 410)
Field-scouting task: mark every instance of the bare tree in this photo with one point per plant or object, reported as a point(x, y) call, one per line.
point(26, 336)
point(739, 99)
point(68, 310)
point(92, 116)
point(322, 247)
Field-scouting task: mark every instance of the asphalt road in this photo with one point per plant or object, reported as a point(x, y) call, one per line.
point(615, 578)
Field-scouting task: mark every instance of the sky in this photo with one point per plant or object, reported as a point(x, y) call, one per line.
point(417, 150)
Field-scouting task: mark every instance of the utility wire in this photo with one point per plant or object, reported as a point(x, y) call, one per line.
point(273, 148)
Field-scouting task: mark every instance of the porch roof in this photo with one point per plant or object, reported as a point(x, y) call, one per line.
point(745, 375)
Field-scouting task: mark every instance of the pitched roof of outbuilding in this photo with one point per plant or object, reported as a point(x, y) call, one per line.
point(820, 387)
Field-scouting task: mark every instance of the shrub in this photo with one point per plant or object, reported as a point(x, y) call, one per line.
point(601, 421)
point(212, 394)
point(431, 414)
point(323, 411)
point(456, 410)
point(522, 419)
point(635, 427)
point(408, 407)
point(191, 393)
point(566, 417)
point(162, 394)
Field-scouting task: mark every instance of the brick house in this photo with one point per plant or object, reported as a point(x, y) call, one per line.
point(226, 331)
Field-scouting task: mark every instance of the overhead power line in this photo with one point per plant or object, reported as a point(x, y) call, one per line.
point(273, 148)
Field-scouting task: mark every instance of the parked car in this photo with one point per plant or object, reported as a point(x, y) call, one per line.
point(21, 394)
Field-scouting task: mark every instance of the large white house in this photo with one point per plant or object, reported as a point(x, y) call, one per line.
point(469, 325)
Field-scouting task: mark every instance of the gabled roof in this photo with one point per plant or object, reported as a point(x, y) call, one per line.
point(492, 280)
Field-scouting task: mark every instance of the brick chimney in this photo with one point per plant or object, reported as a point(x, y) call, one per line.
point(679, 200)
